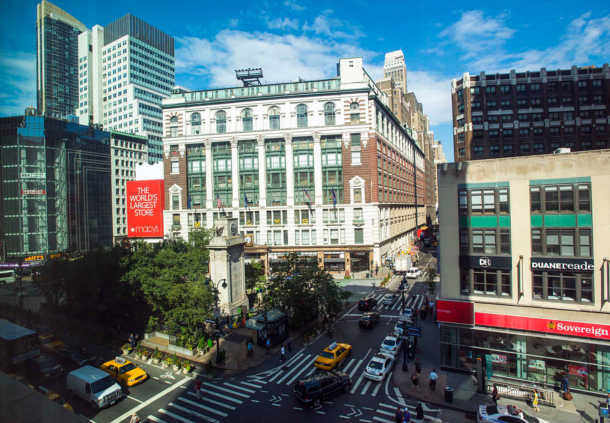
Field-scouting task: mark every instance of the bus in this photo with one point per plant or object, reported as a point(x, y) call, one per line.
point(7, 276)
point(17, 343)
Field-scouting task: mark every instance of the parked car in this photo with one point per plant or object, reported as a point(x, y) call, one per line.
point(367, 304)
point(379, 366)
point(94, 386)
point(390, 345)
point(388, 299)
point(505, 414)
point(369, 319)
point(332, 355)
point(49, 342)
point(45, 365)
point(76, 356)
point(321, 386)
point(401, 327)
point(407, 314)
point(413, 273)
point(124, 371)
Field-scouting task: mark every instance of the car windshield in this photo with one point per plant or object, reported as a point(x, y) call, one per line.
point(127, 368)
point(375, 365)
point(530, 419)
point(326, 354)
point(100, 385)
point(389, 342)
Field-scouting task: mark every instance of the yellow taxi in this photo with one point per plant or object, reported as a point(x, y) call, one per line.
point(124, 371)
point(332, 356)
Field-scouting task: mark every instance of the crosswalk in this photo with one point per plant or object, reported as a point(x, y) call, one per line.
point(385, 413)
point(213, 404)
point(413, 301)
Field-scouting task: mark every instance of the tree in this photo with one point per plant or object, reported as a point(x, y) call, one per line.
point(255, 274)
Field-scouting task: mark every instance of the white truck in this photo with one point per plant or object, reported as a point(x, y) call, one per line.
point(402, 263)
point(94, 386)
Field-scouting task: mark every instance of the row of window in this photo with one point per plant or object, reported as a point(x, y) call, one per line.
point(488, 200)
point(492, 241)
point(533, 87)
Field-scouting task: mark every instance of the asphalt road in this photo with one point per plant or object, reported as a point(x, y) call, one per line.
point(264, 394)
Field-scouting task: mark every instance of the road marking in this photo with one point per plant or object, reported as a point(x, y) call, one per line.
point(366, 387)
point(251, 385)
point(374, 393)
point(320, 412)
point(276, 375)
point(296, 367)
point(297, 408)
point(399, 396)
point(211, 401)
point(135, 399)
point(155, 378)
point(220, 388)
point(346, 368)
point(216, 394)
point(366, 421)
point(239, 387)
point(368, 408)
point(255, 400)
point(381, 404)
point(379, 419)
point(192, 412)
point(275, 404)
point(357, 384)
point(203, 407)
point(355, 369)
point(292, 379)
point(309, 373)
point(387, 413)
point(385, 316)
point(344, 417)
point(151, 400)
point(292, 359)
point(155, 419)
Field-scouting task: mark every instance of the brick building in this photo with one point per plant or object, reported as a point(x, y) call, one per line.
point(533, 112)
point(322, 168)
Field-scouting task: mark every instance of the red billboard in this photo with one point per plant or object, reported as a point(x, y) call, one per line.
point(556, 327)
point(145, 204)
point(455, 312)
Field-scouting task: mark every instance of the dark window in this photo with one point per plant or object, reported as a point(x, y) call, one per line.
point(571, 287)
point(504, 241)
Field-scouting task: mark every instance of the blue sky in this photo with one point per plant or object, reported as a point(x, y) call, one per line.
point(291, 39)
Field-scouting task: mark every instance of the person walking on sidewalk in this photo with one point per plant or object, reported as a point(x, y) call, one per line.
point(535, 401)
point(433, 377)
point(495, 395)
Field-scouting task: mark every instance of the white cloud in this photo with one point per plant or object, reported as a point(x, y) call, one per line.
point(433, 92)
point(325, 25)
point(293, 5)
point(293, 56)
point(18, 71)
point(283, 23)
point(475, 32)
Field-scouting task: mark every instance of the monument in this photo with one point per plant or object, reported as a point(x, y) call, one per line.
point(227, 266)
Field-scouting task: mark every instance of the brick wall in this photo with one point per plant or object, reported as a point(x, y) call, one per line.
point(174, 179)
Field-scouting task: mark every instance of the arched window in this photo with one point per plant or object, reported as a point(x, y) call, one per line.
point(301, 116)
point(195, 123)
point(354, 109)
point(329, 113)
point(274, 118)
point(246, 118)
point(173, 119)
point(221, 122)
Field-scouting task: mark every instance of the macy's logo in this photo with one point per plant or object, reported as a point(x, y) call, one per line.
point(577, 329)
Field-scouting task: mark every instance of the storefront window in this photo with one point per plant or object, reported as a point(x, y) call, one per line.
point(571, 287)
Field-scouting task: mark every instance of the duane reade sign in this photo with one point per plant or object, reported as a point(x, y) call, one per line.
point(145, 204)
point(557, 264)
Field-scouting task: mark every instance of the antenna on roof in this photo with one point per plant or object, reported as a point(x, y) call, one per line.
point(250, 76)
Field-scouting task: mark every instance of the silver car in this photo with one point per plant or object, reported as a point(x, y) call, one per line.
point(505, 414)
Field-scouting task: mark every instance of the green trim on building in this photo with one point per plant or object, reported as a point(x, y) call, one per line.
point(463, 221)
point(559, 220)
point(560, 180)
point(536, 220)
point(585, 220)
point(484, 221)
point(474, 185)
point(504, 221)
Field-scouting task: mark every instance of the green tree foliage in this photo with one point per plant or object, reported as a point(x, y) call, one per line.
point(304, 292)
point(255, 274)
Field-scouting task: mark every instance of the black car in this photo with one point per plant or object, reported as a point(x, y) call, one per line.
point(80, 357)
point(321, 386)
point(45, 365)
point(367, 304)
point(369, 319)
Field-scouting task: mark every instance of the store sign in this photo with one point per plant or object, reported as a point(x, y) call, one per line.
point(558, 264)
point(455, 312)
point(486, 262)
point(38, 175)
point(33, 192)
point(34, 258)
point(556, 327)
point(145, 204)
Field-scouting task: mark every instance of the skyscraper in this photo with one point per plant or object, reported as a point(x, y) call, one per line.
point(125, 70)
point(56, 61)
point(394, 67)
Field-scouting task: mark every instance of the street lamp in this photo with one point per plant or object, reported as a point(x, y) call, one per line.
point(223, 284)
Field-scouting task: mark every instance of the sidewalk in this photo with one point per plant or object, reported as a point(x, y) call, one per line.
point(583, 408)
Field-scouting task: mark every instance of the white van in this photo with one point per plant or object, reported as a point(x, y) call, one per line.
point(94, 386)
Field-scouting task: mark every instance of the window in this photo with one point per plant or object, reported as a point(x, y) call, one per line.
point(484, 241)
point(329, 113)
point(246, 119)
point(274, 118)
point(277, 217)
point(221, 122)
point(173, 131)
point(175, 167)
point(564, 242)
point(195, 123)
point(358, 236)
point(354, 109)
point(175, 201)
point(304, 217)
point(558, 286)
point(485, 282)
point(355, 145)
point(301, 116)
point(464, 241)
point(560, 198)
point(584, 199)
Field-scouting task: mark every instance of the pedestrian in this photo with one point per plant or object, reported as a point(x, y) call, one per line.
point(283, 353)
point(535, 400)
point(495, 395)
point(398, 415)
point(134, 418)
point(419, 411)
point(268, 345)
point(406, 416)
point(198, 388)
point(564, 383)
point(433, 377)
point(415, 380)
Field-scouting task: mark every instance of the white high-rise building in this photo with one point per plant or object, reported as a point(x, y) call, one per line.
point(394, 67)
point(125, 70)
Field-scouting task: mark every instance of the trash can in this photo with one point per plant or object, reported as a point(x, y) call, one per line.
point(448, 394)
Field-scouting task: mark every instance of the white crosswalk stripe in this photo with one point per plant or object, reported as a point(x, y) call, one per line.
point(175, 416)
point(346, 368)
point(203, 407)
point(358, 382)
point(296, 375)
point(296, 367)
point(192, 412)
point(250, 391)
point(374, 393)
point(309, 373)
point(355, 369)
point(366, 387)
point(251, 385)
point(382, 420)
point(276, 375)
point(211, 401)
point(222, 396)
point(155, 419)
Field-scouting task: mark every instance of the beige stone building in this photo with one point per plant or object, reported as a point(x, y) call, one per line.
point(525, 267)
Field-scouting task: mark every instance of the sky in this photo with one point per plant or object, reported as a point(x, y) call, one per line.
point(293, 39)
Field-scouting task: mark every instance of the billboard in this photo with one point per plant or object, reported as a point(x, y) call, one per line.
point(145, 204)
point(455, 312)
